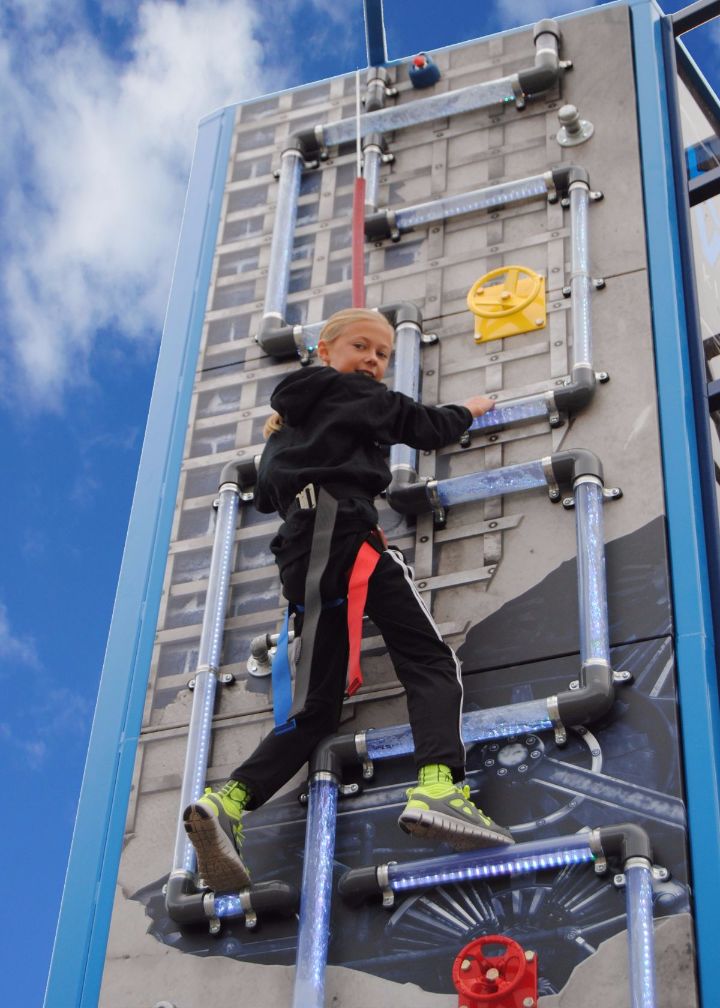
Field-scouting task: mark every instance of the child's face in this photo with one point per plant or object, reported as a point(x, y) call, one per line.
point(364, 347)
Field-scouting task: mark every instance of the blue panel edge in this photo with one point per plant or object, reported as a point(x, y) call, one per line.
point(695, 644)
point(80, 943)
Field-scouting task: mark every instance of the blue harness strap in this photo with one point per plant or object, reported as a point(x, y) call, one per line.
point(281, 684)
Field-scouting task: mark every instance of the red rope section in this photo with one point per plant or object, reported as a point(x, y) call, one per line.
point(358, 244)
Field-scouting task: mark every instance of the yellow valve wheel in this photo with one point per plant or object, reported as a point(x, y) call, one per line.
point(514, 305)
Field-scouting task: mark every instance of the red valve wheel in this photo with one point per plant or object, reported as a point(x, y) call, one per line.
point(490, 969)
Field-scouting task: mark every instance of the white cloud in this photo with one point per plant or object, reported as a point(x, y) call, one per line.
point(94, 170)
point(510, 13)
point(15, 649)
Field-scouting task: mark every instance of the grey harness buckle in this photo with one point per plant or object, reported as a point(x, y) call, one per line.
point(307, 498)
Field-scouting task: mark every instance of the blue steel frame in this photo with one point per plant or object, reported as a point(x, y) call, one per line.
point(80, 942)
point(688, 496)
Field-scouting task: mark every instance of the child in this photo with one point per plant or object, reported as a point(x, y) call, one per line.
point(327, 433)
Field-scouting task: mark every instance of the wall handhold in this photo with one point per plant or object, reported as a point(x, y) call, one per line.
point(423, 72)
point(512, 305)
point(495, 972)
point(573, 130)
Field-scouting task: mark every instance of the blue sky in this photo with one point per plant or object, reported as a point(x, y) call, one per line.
point(99, 101)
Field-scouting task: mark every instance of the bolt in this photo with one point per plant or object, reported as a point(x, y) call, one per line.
point(502, 772)
point(529, 956)
point(492, 974)
point(529, 1002)
point(539, 322)
point(522, 768)
point(489, 762)
point(465, 964)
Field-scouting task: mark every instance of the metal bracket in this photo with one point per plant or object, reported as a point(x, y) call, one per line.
point(622, 678)
point(348, 790)
point(659, 874)
point(612, 493)
point(553, 488)
point(250, 915)
point(388, 896)
point(214, 925)
point(429, 338)
point(602, 377)
point(597, 849)
point(368, 769)
point(559, 728)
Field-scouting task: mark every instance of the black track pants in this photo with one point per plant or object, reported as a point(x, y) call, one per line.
point(425, 665)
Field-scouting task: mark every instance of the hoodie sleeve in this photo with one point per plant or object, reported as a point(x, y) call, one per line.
point(394, 418)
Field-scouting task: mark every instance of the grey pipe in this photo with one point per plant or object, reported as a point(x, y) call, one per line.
point(291, 166)
point(403, 459)
point(206, 676)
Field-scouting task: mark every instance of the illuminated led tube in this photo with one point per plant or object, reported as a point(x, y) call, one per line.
point(407, 381)
point(313, 931)
point(476, 96)
point(580, 281)
point(535, 855)
point(592, 594)
point(512, 413)
point(372, 161)
point(493, 483)
point(211, 635)
point(476, 726)
point(196, 763)
point(200, 728)
point(502, 722)
point(278, 279)
point(470, 202)
point(641, 937)
point(228, 906)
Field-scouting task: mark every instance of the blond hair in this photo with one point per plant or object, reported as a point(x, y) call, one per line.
point(333, 328)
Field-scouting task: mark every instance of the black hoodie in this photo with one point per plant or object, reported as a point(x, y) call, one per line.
point(334, 427)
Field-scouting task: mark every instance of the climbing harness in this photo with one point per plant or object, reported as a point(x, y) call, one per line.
point(286, 702)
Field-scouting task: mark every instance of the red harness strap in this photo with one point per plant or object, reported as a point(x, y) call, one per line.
point(365, 563)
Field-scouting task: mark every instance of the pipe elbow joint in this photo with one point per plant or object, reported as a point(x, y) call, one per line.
point(402, 311)
point(577, 395)
point(359, 885)
point(307, 142)
point(564, 176)
point(182, 901)
point(334, 753)
point(378, 82)
point(568, 466)
point(592, 700)
point(276, 338)
point(406, 496)
point(243, 473)
point(538, 79)
point(625, 841)
point(380, 226)
point(548, 26)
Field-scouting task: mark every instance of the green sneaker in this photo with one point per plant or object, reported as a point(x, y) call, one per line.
point(445, 812)
point(214, 827)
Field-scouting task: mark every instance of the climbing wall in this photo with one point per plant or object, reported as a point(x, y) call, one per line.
point(500, 576)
